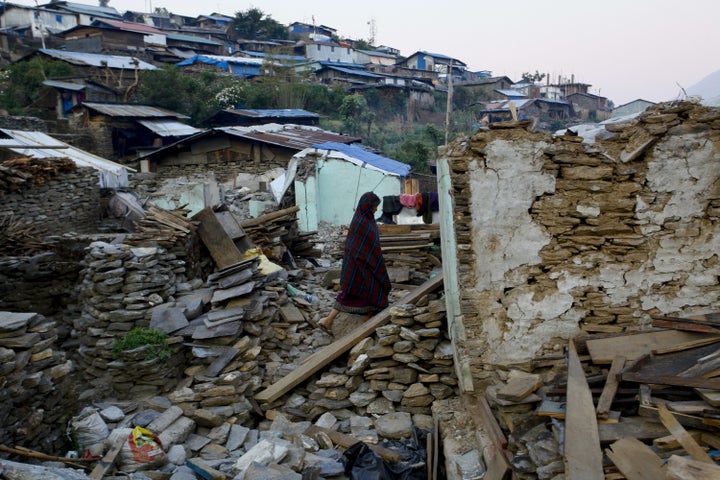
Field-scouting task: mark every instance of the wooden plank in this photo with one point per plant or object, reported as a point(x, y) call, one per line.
point(635, 460)
point(102, 467)
point(517, 389)
point(686, 326)
point(637, 427)
point(682, 436)
point(709, 340)
point(672, 380)
point(346, 441)
point(679, 468)
point(325, 356)
point(604, 350)
point(221, 247)
point(479, 405)
point(712, 397)
point(583, 456)
point(270, 217)
point(204, 470)
point(669, 442)
point(610, 388)
point(498, 466)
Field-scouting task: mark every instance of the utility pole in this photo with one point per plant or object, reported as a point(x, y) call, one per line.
point(40, 25)
point(373, 31)
point(448, 108)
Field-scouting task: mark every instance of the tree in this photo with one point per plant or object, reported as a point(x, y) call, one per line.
point(169, 88)
point(533, 77)
point(253, 24)
point(22, 82)
point(355, 114)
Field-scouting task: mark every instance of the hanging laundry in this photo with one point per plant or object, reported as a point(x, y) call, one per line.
point(434, 203)
point(408, 200)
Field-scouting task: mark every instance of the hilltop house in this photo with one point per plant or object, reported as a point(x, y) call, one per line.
point(104, 36)
point(247, 117)
point(35, 22)
point(238, 66)
point(230, 151)
point(630, 108)
point(115, 71)
point(123, 131)
point(589, 107)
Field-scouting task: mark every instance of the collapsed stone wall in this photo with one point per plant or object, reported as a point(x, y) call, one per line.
point(66, 203)
point(556, 236)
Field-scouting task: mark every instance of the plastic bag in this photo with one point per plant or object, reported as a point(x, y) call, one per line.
point(361, 463)
point(143, 450)
point(90, 428)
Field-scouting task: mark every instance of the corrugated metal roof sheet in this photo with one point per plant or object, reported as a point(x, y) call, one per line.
point(98, 60)
point(191, 38)
point(30, 144)
point(170, 128)
point(352, 71)
point(130, 26)
point(358, 155)
point(127, 110)
point(76, 87)
point(297, 137)
point(270, 113)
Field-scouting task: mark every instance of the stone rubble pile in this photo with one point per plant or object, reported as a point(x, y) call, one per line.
point(34, 379)
point(120, 285)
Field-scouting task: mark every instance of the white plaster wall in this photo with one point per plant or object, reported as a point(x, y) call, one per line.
point(521, 318)
point(503, 190)
point(340, 185)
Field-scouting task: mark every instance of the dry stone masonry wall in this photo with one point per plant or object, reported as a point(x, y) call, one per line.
point(70, 202)
point(556, 235)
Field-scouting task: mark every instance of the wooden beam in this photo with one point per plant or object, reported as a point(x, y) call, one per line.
point(262, 219)
point(679, 468)
point(682, 436)
point(102, 467)
point(325, 356)
point(221, 247)
point(635, 460)
point(583, 456)
point(346, 441)
point(611, 386)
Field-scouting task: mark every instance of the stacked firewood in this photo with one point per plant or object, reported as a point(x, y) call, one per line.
point(20, 171)
point(17, 238)
point(163, 227)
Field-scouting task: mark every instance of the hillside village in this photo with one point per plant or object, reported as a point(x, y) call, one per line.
point(554, 269)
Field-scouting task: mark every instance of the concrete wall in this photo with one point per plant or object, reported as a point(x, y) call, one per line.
point(556, 237)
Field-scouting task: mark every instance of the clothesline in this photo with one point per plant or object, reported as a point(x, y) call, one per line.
point(423, 203)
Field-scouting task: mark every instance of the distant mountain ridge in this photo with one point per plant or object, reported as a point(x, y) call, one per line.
point(708, 88)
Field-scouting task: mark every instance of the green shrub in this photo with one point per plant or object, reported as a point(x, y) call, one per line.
point(153, 339)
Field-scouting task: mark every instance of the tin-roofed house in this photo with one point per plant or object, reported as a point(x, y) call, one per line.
point(125, 131)
point(116, 71)
point(106, 36)
point(247, 117)
point(331, 177)
point(229, 151)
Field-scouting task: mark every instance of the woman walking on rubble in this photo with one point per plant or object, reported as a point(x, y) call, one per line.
point(364, 280)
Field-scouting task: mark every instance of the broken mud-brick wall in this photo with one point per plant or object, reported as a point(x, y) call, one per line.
point(557, 237)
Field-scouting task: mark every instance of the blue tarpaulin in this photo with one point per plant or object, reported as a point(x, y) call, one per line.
point(378, 161)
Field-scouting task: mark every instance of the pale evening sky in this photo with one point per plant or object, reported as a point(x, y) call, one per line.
point(626, 49)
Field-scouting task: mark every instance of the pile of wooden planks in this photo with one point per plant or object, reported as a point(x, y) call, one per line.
point(19, 239)
point(161, 227)
point(636, 405)
point(277, 232)
point(410, 246)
